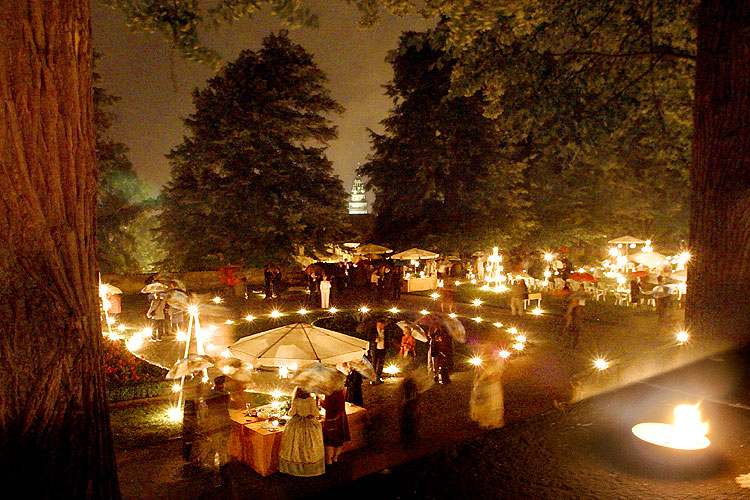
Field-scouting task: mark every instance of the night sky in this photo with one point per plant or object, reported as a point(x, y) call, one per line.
point(154, 83)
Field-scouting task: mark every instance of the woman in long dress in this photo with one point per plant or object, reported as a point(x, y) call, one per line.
point(335, 425)
point(486, 405)
point(301, 452)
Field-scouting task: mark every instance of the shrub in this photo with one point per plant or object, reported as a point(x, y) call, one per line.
point(123, 368)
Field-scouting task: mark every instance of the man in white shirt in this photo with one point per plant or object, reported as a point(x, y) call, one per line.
point(378, 349)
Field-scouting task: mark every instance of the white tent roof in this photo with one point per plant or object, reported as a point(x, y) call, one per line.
point(650, 259)
point(415, 254)
point(298, 343)
point(627, 240)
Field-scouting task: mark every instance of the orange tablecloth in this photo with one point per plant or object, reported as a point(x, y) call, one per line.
point(257, 447)
point(419, 284)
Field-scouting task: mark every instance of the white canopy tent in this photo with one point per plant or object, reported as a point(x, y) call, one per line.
point(299, 344)
point(415, 254)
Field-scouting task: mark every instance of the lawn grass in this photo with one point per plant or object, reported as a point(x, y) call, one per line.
point(142, 422)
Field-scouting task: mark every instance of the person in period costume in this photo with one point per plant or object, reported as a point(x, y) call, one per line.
point(353, 385)
point(408, 344)
point(156, 312)
point(325, 292)
point(301, 452)
point(486, 406)
point(335, 425)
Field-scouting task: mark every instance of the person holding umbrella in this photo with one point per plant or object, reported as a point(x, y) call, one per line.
point(408, 344)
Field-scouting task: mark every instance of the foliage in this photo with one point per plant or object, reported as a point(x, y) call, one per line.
point(439, 172)
point(122, 368)
point(247, 186)
point(120, 194)
point(139, 391)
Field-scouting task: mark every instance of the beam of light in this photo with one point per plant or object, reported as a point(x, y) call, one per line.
point(476, 361)
point(391, 369)
point(174, 414)
point(249, 318)
point(601, 364)
point(201, 335)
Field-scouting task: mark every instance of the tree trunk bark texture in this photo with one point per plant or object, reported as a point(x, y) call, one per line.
point(55, 439)
point(719, 272)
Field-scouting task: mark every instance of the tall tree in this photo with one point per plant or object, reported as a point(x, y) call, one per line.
point(251, 183)
point(440, 175)
point(54, 425)
point(120, 196)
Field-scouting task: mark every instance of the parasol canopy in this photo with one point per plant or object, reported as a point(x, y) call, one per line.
point(369, 248)
point(191, 364)
point(680, 275)
point(452, 326)
point(415, 254)
point(649, 259)
point(154, 287)
point(364, 367)
point(319, 378)
point(106, 289)
point(626, 240)
point(298, 344)
point(583, 277)
point(416, 330)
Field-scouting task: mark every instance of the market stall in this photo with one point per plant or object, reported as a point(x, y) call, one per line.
point(255, 441)
point(417, 282)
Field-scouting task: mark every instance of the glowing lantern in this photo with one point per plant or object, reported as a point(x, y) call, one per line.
point(504, 353)
point(682, 337)
point(453, 315)
point(687, 432)
point(174, 414)
point(424, 312)
point(302, 311)
point(394, 310)
point(601, 364)
point(477, 319)
point(391, 369)
point(249, 318)
point(476, 361)
point(276, 314)
point(477, 302)
point(217, 300)
point(364, 309)
point(333, 310)
point(435, 295)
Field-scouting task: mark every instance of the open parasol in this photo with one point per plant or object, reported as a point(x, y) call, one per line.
point(320, 378)
point(415, 254)
point(583, 277)
point(370, 248)
point(416, 330)
point(626, 240)
point(191, 364)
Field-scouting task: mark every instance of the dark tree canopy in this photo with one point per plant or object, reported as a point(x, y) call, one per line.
point(251, 183)
point(440, 175)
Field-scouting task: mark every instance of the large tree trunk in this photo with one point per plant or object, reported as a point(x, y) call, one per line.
point(719, 272)
point(55, 440)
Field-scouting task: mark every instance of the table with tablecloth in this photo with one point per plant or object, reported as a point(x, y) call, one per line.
point(258, 447)
point(419, 284)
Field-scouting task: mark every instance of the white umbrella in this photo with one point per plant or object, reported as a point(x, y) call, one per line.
point(416, 330)
point(299, 344)
point(626, 240)
point(650, 259)
point(191, 364)
point(680, 275)
point(154, 287)
point(415, 254)
point(320, 379)
point(371, 248)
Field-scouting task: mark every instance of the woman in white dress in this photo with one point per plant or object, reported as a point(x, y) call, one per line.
point(301, 452)
point(486, 406)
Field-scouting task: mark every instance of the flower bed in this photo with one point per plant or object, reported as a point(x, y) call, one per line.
point(129, 377)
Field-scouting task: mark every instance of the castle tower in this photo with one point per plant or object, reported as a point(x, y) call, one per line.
point(357, 201)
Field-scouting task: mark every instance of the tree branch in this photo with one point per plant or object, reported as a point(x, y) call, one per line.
point(648, 53)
